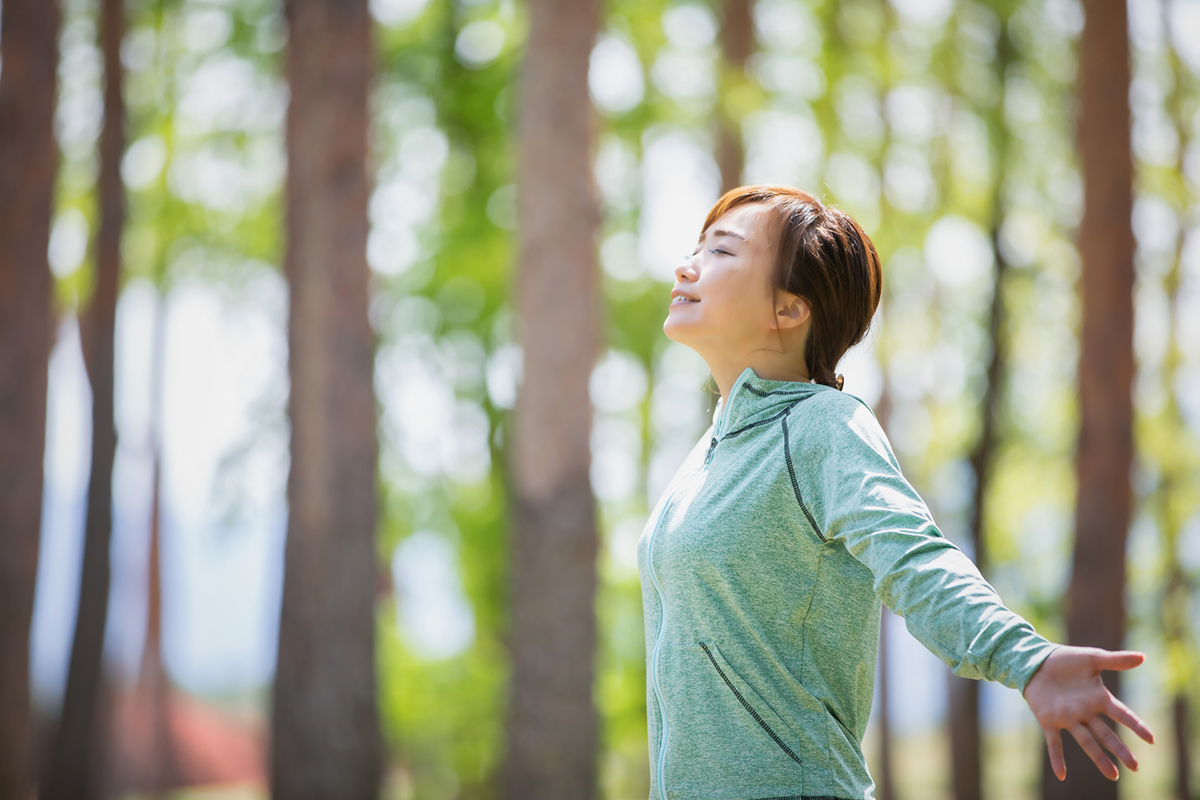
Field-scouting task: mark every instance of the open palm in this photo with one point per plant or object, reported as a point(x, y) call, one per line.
point(1066, 693)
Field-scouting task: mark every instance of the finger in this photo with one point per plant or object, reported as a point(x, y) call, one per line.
point(1054, 747)
point(1118, 659)
point(1112, 742)
point(1121, 713)
point(1089, 745)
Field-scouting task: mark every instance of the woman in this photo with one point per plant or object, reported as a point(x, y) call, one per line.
point(764, 563)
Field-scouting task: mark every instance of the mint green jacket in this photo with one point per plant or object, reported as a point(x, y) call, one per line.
point(763, 566)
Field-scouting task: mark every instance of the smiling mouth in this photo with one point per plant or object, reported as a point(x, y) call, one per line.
point(675, 301)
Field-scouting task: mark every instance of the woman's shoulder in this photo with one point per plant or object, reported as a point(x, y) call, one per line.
point(830, 405)
point(834, 420)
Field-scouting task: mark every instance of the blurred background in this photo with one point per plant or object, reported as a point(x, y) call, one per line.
point(153, 224)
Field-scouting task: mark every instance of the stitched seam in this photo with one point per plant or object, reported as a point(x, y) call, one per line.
point(777, 416)
point(761, 722)
point(761, 393)
point(767, 421)
point(796, 486)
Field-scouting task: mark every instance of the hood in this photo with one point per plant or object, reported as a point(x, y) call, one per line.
point(753, 399)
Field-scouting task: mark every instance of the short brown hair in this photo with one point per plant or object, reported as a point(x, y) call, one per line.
point(825, 257)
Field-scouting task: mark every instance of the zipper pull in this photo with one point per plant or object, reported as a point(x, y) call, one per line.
point(711, 447)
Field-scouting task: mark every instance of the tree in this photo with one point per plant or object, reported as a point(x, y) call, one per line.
point(737, 43)
point(1104, 452)
point(326, 741)
point(72, 767)
point(552, 723)
point(28, 168)
point(966, 755)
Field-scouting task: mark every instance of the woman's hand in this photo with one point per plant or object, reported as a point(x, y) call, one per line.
point(1066, 692)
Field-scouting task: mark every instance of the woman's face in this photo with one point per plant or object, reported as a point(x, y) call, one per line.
point(728, 281)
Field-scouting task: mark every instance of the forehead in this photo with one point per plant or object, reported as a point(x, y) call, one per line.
point(750, 221)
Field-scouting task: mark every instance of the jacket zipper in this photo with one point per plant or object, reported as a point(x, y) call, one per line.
point(662, 596)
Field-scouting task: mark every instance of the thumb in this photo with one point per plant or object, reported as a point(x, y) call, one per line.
point(1118, 659)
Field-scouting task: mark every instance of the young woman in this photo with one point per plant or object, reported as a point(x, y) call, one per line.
point(764, 563)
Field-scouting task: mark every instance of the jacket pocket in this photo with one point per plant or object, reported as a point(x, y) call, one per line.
point(725, 740)
point(729, 676)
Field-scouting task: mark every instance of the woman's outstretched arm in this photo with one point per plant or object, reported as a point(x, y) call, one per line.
point(1066, 693)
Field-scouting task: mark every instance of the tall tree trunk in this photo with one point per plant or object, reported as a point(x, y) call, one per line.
point(1104, 454)
point(886, 785)
point(966, 736)
point(552, 724)
point(326, 739)
point(737, 43)
point(28, 167)
point(153, 680)
point(1170, 513)
point(72, 768)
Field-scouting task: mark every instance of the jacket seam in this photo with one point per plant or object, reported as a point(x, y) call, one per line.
point(766, 421)
point(752, 388)
point(746, 705)
point(787, 455)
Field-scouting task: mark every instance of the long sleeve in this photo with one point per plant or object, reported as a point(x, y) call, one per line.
point(859, 498)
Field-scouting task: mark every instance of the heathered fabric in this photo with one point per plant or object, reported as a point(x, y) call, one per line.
point(773, 549)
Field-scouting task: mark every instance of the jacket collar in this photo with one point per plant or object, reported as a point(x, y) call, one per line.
point(754, 399)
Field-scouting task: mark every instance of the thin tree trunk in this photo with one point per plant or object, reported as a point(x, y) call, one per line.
point(326, 739)
point(71, 770)
point(28, 167)
point(886, 785)
point(966, 735)
point(1104, 455)
point(552, 724)
point(1170, 516)
point(737, 43)
point(152, 678)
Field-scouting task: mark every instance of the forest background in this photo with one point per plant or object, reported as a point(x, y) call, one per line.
point(269, 191)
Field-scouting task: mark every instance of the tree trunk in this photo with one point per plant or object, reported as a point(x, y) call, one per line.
point(70, 770)
point(28, 168)
point(886, 785)
point(552, 724)
point(966, 735)
point(1170, 516)
point(326, 739)
point(737, 43)
point(1104, 455)
point(153, 680)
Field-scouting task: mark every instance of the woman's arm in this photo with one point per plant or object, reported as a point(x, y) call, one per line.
point(859, 497)
point(851, 483)
point(1066, 693)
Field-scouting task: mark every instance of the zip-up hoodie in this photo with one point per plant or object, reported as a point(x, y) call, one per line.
point(763, 567)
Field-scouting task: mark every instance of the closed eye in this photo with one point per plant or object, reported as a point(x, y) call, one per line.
point(719, 250)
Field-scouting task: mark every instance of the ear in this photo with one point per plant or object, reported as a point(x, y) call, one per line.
point(791, 311)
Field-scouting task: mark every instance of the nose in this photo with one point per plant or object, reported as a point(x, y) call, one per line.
point(685, 268)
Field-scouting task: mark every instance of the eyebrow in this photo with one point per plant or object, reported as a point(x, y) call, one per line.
point(719, 232)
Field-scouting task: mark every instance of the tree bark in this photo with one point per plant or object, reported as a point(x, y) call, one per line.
point(70, 771)
point(552, 723)
point(886, 785)
point(1104, 454)
point(966, 735)
point(326, 738)
point(1170, 517)
point(28, 167)
point(737, 43)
